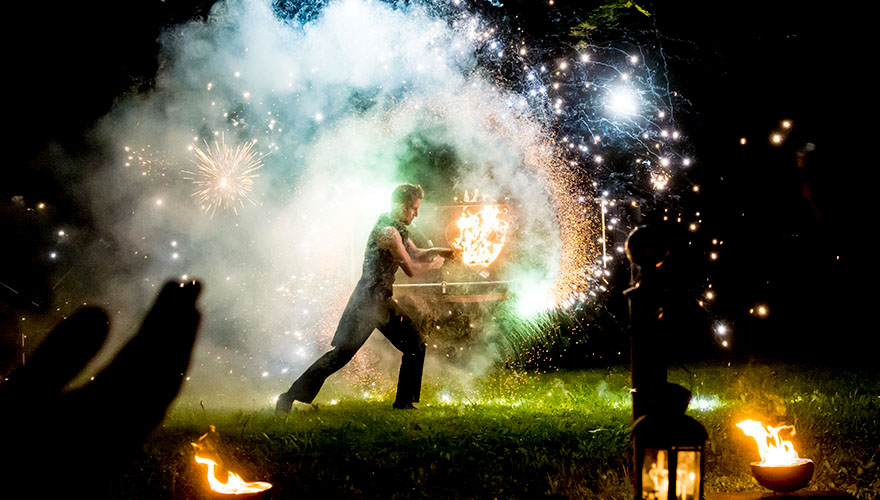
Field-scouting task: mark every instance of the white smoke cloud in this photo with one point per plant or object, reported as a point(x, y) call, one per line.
point(332, 104)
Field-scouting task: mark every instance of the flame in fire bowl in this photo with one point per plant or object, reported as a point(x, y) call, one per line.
point(780, 468)
point(784, 478)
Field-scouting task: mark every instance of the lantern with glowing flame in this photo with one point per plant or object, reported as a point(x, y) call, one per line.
point(780, 468)
point(669, 457)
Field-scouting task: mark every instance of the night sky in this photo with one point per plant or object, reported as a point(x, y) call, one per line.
point(787, 230)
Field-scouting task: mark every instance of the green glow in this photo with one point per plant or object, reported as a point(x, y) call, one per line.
point(532, 298)
point(706, 403)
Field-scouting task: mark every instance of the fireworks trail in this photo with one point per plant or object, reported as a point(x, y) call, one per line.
point(224, 177)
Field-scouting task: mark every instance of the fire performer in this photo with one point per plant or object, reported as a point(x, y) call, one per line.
point(371, 307)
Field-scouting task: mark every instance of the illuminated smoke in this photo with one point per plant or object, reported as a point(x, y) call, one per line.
point(349, 98)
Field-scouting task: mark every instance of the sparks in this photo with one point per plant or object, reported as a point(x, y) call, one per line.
point(224, 176)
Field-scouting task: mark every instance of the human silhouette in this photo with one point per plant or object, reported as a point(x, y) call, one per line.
point(371, 307)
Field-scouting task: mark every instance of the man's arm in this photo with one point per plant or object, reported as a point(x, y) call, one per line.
point(390, 240)
point(426, 254)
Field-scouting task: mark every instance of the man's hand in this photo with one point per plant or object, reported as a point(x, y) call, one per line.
point(437, 262)
point(91, 431)
point(446, 253)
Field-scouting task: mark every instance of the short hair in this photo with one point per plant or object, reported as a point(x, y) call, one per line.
point(407, 194)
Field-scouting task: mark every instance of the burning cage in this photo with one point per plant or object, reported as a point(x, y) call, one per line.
point(453, 301)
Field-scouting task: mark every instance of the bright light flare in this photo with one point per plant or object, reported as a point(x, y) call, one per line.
point(533, 298)
point(622, 102)
point(706, 403)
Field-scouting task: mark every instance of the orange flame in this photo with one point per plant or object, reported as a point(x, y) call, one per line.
point(234, 484)
point(482, 234)
point(774, 450)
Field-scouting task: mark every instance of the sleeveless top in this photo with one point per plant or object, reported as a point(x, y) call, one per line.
point(379, 264)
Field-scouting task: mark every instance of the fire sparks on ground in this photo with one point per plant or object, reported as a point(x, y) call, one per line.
point(234, 484)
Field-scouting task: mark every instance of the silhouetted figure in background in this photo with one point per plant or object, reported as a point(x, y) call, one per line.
point(666, 323)
point(370, 306)
point(58, 444)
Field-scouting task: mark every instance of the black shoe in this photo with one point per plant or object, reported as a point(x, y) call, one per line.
point(403, 406)
point(282, 407)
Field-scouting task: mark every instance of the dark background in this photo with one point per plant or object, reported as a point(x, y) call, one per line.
point(789, 231)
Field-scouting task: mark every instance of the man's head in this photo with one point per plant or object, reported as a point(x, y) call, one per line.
point(405, 202)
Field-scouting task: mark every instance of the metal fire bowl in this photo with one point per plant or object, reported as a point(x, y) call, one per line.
point(784, 478)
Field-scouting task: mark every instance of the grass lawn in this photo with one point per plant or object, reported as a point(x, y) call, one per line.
point(518, 435)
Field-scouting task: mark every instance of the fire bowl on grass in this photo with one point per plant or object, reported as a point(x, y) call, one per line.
point(784, 478)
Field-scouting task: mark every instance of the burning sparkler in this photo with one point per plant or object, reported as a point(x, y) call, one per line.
point(224, 176)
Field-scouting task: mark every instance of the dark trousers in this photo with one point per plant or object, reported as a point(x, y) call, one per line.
point(362, 315)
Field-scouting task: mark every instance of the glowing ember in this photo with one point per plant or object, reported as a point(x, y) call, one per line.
point(482, 232)
point(234, 484)
point(774, 450)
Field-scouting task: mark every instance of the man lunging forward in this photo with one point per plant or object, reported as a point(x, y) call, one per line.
point(370, 306)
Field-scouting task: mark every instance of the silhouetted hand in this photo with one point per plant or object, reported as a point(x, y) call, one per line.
point(50, 436)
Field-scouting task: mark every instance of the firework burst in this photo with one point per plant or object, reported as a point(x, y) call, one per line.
point(224, 176)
